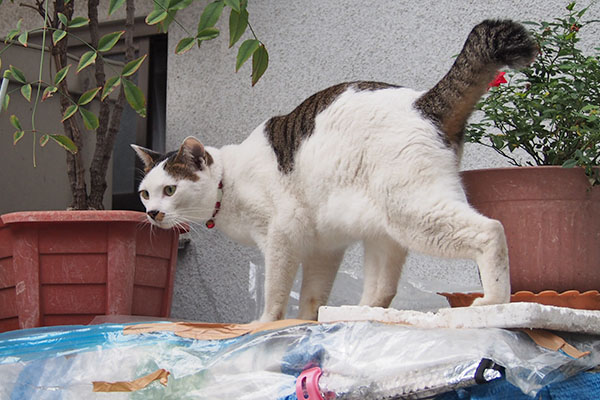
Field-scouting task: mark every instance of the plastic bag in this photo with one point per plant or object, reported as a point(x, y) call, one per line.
point(366, 360)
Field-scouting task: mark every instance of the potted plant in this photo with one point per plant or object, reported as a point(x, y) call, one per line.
point(547, 118)
point(60, 267)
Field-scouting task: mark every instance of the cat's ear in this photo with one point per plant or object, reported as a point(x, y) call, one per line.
point(193, 154)
point(148, 157)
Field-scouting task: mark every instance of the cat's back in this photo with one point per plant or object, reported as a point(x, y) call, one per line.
point(343, 113)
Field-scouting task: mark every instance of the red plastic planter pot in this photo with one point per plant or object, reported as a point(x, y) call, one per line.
point(66, 267)
point(9, 318)
point(551, 216)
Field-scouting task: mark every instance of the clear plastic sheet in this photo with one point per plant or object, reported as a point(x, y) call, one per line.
point(360, 360)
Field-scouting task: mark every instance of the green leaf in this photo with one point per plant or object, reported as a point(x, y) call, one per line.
point(110, 85)
point(60, 75)
point(14, 121)
point(26, 91)
point(497, 141)
point(178, 4)
point(44, 139)
point(86, 59)
point(207, 34)
point(245, 52)
point(238, 21)
point(234, 4)
point(11, 35)
point(210, 15)
point(23, 38)
point(260, 62)
point(156, 16)
point(5, 102)
point(88, 96)
point(69, 112)
point(63, 18)
point(115, 5)
point(58, 35)
point(48, 92)
point(108, 41)
point(78, 22)
point(90, 120)
point(184, 45)
point(17, 136)
point(134, 97)
point(163, 26)
point(17, 74)
point(131, 67)
point(65, 142)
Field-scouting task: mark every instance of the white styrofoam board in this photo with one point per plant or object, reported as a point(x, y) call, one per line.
point(511, 315)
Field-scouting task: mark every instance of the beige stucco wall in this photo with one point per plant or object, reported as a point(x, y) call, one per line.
point(313, 44)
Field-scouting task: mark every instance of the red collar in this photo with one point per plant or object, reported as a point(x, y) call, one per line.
point(211, 222)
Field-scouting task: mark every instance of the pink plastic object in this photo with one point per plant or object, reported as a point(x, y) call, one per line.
point(307, 384)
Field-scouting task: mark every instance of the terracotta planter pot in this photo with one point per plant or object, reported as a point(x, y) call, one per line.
point(589, 300)
point(551, 216)
point(66, 267)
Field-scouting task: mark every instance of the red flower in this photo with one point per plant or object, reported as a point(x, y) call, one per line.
point(499, 79)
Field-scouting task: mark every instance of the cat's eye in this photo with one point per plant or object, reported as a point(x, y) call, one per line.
point(169, 190)
point(144, 194)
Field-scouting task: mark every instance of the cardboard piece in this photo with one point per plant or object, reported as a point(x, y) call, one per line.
point(554, 342)
point(206, 331)
point(160, 375)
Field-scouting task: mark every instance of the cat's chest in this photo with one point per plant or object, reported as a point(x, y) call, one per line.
point(244, 219)
point(244, 232)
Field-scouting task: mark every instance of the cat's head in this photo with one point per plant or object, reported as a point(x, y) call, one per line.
point(179, 187)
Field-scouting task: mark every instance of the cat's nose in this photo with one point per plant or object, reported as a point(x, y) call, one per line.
point(153, 214)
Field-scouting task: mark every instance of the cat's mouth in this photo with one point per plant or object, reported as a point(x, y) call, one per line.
point(157, 218)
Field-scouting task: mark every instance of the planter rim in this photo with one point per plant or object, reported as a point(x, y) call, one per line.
point(524, 167)
point(72, 216)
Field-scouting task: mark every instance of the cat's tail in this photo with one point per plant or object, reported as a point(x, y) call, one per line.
point(491, 45)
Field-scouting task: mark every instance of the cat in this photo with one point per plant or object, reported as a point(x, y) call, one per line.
point(359, 161)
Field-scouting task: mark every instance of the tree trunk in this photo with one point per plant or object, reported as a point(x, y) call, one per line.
point(107, 132)
point(75, 167)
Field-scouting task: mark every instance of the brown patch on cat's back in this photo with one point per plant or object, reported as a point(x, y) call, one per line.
point(286, 132)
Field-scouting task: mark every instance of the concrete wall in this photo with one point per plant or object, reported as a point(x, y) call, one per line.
point(314, 44)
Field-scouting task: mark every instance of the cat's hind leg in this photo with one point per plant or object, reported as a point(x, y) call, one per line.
point(451, 228)
point(384, 259)
point(318, 273)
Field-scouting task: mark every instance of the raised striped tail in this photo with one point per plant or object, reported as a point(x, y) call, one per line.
point(491, 45)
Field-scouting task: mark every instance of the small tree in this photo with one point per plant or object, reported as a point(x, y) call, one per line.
point(59, 22)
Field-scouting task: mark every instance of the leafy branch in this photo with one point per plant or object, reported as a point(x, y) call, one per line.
point(59, 25)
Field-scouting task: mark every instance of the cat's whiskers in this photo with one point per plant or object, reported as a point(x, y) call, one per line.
point(187, 225)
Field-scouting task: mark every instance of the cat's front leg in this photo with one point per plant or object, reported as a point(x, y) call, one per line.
point(281, 265)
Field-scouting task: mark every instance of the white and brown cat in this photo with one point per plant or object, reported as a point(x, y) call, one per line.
point(359, 161)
